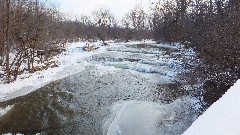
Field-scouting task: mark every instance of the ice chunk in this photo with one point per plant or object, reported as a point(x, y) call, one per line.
point(3, 111)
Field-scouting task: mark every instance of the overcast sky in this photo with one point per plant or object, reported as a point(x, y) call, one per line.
point(117, 7)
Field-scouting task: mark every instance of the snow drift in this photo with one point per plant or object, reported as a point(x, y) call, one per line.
point(222, 118)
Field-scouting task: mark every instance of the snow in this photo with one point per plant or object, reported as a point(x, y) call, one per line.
point(145, 68)
point(222, 118)
point(148, 59)
point(3, 111)
point(70, 62)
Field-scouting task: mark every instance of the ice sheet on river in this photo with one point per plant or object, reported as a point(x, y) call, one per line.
point(149, 118)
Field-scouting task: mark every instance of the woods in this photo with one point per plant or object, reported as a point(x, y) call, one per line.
point(212, 29)
point(26, 30)
point(32, 32)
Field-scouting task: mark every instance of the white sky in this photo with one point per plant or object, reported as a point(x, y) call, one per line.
point(85, 7)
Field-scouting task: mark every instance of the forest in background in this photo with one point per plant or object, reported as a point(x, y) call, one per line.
point(212, 29)
point(32, 32)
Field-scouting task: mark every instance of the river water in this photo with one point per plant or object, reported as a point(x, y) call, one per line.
point(130, 89)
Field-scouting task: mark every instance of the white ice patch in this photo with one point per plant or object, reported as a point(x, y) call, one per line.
point(102, 70)
point(162, 70)
point(133, 118)
point(3, 111)
point(154, 78)
point(148, 118)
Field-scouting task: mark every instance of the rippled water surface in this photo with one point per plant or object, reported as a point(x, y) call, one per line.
point(136, 76)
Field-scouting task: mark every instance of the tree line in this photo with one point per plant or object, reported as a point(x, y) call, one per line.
point(27, 30)
point(212, 29)
point(31, 32)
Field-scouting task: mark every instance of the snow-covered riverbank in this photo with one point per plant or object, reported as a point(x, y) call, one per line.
point(74, 60)
point(69, 62)
point(222, 118)
point(106, 91)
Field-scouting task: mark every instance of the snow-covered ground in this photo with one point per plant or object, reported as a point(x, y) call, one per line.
point(222, 118)
point(69, 62)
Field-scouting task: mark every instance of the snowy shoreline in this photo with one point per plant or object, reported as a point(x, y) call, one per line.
point(221, 118)
point(70, 62)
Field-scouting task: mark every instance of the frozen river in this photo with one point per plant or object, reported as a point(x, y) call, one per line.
point(130, 89)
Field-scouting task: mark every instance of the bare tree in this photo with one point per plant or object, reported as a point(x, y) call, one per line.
point(212, 29)
point(104, 20)
point(8, 3)
point(137, 24)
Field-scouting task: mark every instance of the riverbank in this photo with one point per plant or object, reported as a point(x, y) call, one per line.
point(222, 118)
point(104, 89)
point(68, 63)
point(73, 61)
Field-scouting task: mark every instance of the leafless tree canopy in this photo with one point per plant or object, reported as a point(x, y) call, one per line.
point(26, 29)
point(212, 28)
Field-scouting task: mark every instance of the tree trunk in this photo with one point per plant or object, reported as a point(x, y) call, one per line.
point(8, 42)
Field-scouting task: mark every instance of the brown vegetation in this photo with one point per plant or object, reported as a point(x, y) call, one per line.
point(212, 29)
point(30, 32)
